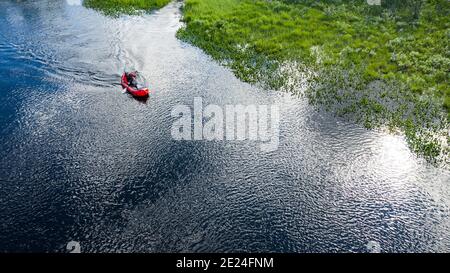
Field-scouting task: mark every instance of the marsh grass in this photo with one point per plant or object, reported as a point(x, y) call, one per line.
point(116, 7)
point(402, 45)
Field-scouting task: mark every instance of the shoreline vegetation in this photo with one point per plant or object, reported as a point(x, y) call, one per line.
point(117, 7)
point(382, 66)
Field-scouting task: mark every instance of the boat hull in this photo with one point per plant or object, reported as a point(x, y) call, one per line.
point(138, 93)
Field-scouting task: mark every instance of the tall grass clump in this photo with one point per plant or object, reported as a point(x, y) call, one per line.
point(385, 65)
point(115, 7)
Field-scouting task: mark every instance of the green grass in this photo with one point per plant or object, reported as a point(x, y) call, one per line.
point(401, 48)
point(115, 7)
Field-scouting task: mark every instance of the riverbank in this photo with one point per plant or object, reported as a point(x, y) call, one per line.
point(114, 7)
point(382, 66)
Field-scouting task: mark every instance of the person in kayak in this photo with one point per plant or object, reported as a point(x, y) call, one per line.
point(135, 84)
point(132, 79)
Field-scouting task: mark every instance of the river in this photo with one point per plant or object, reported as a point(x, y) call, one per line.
point(81, 161)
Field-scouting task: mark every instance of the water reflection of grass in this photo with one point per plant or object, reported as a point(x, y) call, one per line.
point(114, 7)
point(385, 65)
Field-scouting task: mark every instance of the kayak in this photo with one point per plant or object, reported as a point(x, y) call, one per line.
point(135, 92)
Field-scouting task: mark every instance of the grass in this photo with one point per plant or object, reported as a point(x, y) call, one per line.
point(383, 66)
point(115, 7)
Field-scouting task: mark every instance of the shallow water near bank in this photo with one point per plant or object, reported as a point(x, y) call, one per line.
point(81, 161)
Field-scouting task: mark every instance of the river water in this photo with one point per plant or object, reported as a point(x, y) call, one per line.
point(81, 161)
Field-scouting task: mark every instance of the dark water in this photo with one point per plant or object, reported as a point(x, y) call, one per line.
point(82, 161)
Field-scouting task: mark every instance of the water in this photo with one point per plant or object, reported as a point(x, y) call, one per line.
point(80, 161)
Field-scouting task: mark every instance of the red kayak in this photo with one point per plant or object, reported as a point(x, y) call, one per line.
point(127, 83)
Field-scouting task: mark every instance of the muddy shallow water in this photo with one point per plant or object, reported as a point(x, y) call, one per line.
point(81, 161)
